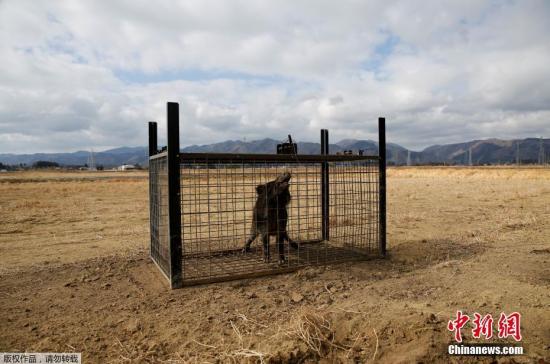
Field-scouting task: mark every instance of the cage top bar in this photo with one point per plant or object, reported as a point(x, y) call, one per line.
point(286, 158)
point(244, 158)
point(159, 155)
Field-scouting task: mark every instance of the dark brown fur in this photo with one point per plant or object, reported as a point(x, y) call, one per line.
point(270, 215)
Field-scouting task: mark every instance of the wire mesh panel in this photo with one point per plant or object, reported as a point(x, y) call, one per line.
point(353, 205)
point(217, 203)
point(158, 201)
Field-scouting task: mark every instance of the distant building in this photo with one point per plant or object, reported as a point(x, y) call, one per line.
point(126, 167)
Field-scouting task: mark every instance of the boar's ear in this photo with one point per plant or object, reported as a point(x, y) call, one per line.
point(260, 189)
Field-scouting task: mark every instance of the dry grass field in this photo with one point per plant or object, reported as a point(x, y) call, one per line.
point(75, 276)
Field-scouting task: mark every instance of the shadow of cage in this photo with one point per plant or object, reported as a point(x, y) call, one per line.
point(201, 209)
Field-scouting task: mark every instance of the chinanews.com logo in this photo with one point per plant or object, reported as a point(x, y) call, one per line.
point(507, 327)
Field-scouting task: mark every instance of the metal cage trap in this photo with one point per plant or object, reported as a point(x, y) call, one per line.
point(294, 210)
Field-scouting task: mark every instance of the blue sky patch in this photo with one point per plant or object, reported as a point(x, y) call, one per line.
point(381, 53)
point(195, 74)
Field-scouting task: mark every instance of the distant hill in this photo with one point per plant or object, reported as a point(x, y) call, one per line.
point(489, 151)
point(270, 146)
point(108, 158)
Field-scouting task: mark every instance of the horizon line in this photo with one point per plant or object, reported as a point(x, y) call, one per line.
point(255, 140)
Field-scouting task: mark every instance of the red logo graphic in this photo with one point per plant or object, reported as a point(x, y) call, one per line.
point(508, 325)
point(457, 325)
point(483, 326)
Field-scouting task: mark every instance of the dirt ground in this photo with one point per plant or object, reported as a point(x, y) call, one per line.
point(75, 276)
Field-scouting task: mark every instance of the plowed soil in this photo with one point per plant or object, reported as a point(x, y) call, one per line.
point(75, 276)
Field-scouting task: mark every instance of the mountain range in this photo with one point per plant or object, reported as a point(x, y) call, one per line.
point(488, 151)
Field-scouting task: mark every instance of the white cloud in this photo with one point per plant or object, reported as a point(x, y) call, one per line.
point(88, 74)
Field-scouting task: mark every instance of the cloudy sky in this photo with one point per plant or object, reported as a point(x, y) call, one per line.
point(90, 74)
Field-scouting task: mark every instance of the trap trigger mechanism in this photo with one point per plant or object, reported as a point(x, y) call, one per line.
point(287, 147)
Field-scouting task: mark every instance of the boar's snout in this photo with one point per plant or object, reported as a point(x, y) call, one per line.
point(284, 178)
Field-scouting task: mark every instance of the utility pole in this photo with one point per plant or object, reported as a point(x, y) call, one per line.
point(541, 152)
point(517, 153)
point(408, 157)
point(470, 156)
point(91, 161)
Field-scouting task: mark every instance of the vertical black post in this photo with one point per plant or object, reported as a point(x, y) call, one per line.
point(324, 186)
point(152, 138)
point(327, 200)
point(174, 202)
point(152, 152)
point(382, 186)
